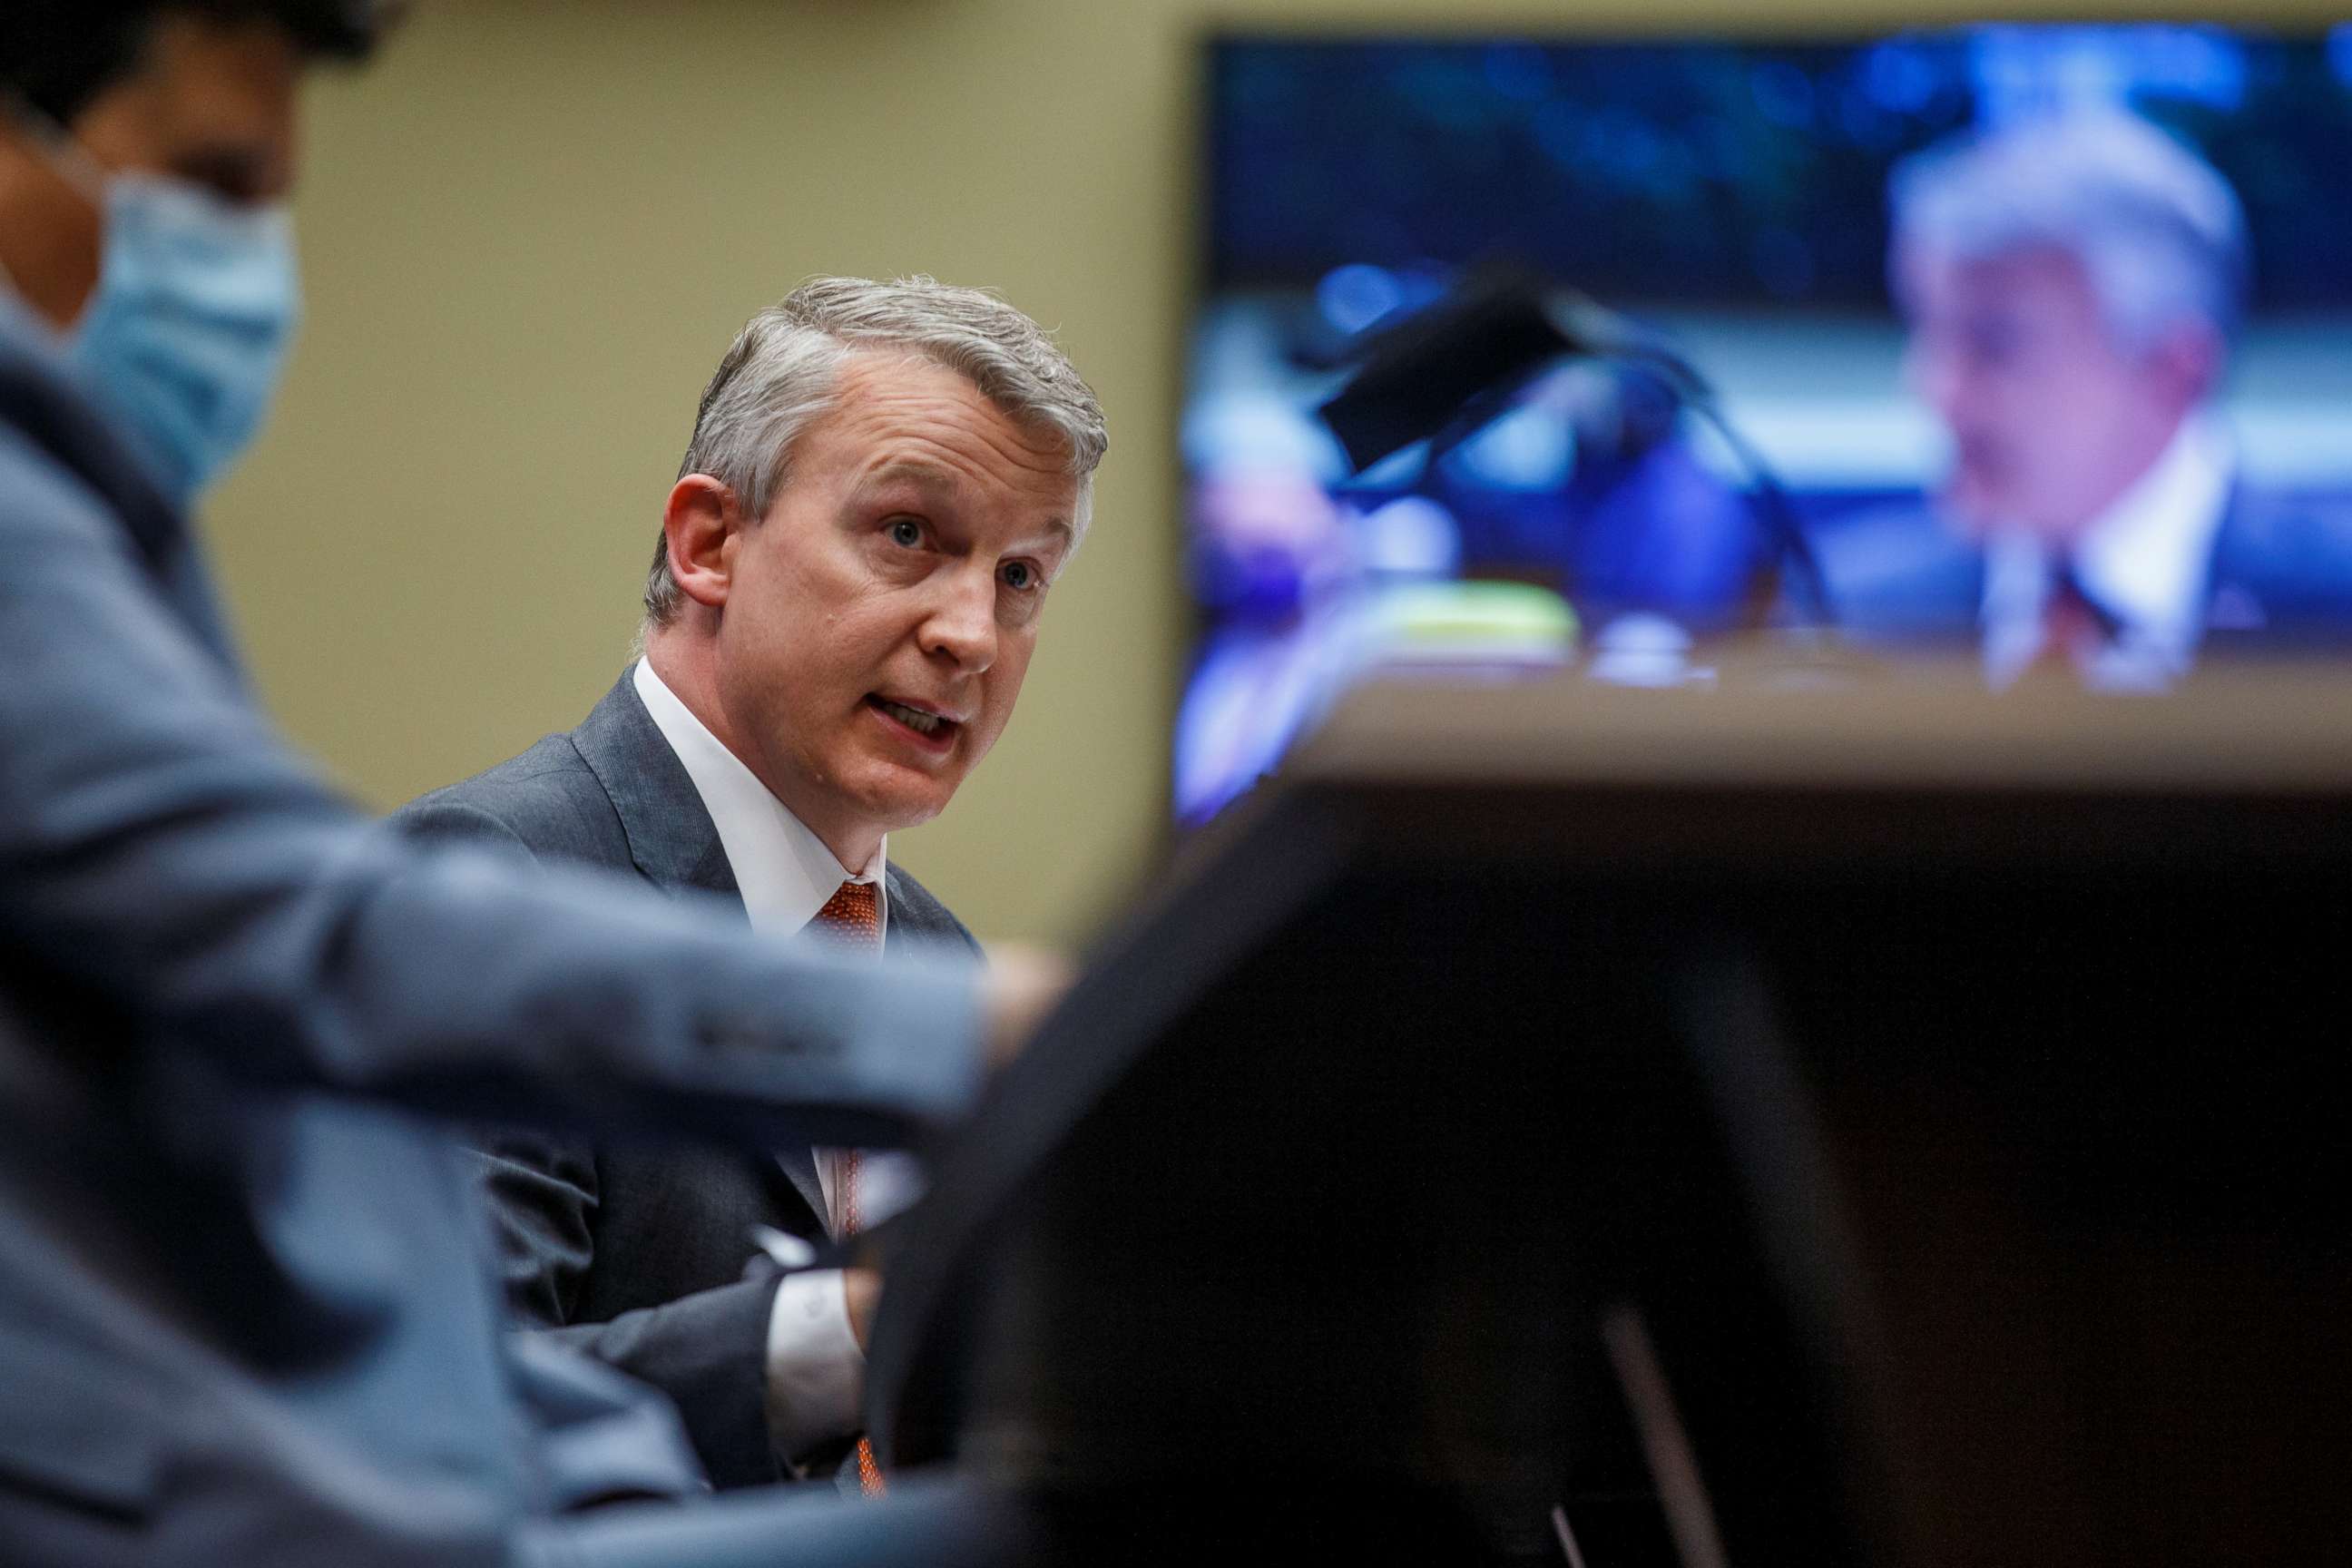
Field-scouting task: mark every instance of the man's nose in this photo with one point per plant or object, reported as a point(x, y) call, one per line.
point(961, 623)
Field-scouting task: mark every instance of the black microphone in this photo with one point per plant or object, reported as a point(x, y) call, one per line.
point(1442, 365)
point(1445, 370)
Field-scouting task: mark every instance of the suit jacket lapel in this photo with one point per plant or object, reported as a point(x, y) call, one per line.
point(913, 926)
point(672, 839)
point(674, 843)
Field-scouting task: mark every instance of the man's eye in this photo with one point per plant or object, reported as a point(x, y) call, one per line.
point(906, 532)
point(1020, 575)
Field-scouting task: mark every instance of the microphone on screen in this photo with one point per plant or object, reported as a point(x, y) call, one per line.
point(1446, 369)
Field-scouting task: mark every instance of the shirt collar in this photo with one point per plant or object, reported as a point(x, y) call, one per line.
point(2145, 559)
point(785, 873)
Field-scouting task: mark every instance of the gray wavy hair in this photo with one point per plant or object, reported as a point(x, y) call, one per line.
point(2157, 230)
point(782, 374)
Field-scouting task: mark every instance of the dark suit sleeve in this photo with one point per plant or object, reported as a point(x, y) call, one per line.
point(706, 1350)
point(171, 873)
point(542, 1193)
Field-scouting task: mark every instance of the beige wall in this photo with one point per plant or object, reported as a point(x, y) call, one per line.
point(532, 228)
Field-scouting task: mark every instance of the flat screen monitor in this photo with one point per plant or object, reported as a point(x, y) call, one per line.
point(2037, 340)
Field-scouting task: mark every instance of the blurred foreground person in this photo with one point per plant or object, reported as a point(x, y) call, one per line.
point(2071, 285)
point(883, 483)
point(243, 1320)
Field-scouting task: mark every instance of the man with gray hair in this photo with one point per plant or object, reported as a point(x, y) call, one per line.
point(884, 481)
point(2071, 285)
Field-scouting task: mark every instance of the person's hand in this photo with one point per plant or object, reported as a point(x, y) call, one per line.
point(861, 1290)
point(1022, 986)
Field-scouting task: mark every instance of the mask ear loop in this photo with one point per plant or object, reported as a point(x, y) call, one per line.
point(57, 146)
point(73, 161)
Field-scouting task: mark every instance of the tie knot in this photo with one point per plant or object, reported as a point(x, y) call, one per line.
point(852, 918)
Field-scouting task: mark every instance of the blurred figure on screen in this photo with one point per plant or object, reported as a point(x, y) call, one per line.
point(1270, 556)
point(2071, 286)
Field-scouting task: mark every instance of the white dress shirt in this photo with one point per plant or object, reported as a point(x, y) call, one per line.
point(815, 1371)
point(2145, 560)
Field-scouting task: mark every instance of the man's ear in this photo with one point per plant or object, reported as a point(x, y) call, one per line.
point(703, 524)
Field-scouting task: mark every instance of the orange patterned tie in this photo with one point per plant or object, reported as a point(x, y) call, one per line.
point(852, 920)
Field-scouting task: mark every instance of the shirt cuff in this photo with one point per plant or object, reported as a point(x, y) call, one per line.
point(816, 1373)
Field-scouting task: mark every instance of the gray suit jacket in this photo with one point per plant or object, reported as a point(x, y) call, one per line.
point(633, 1252)
point(246, 1311)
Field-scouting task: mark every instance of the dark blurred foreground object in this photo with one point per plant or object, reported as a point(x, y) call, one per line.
point(1571, 1125)
point(245, 1312)
point(1443, 372)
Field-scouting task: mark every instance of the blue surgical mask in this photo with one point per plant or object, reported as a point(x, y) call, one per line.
point(187, 333)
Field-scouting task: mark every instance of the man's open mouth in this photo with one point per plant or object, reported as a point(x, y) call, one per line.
point(915, 719)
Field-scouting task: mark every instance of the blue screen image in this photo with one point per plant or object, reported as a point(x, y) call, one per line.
point(2045, 332)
